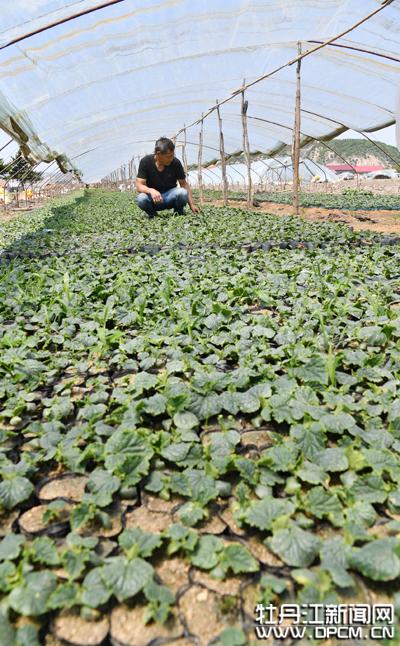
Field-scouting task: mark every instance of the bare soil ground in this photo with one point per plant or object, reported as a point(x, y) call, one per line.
point(378, 221)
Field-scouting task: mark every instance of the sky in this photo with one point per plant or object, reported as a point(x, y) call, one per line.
point(386, 135)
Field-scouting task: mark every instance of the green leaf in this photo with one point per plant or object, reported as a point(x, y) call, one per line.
point(7, 576)
point(102, 486)
point(144, 381)
point(92, 412)
point(237, 558)
point(75, 562)
point(155, 482)
point(368, 488)
point(295, 546)
point(139, 543)
point(174, 366)
point(273, 583)
point(314, 371)
point(178, 483)
point(248, 402)
point(7, 631)
point(191, 513)
point(208, 406)
point(212, 321)
point(361, 513)
point(180, 538)
point(14, 490)
point(263, 513)
point(133, 469)
point(27, 636)
point(81, 542)
point(378, 560)
point(247, 469)
point(281, 458)
point(10, 547)
point(230, 401)
point(186, 420)
point(321, 503)
point(31, 596)
point(332, 460)
point(202, 487)
point(96, 589)
point(337, 422)
point(310, 439)
point(160, 598)
point(312, 473)
point(207, 553)
point(160, 593)
point(82, 514)
point(126, 578)
point(155, 405)
point(176, 452)
point(372, 334)
point(335, 556)
point(232, 637)
point(65, 596)
point(383, 460)
point(43, 550)
point(123, 445)
point(222, 447)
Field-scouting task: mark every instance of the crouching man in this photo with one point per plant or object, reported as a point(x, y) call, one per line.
point(156, 181)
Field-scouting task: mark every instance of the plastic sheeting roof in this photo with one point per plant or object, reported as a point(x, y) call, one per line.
point(102, 87)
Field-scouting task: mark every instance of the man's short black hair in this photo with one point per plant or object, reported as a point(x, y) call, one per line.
point(164, 145)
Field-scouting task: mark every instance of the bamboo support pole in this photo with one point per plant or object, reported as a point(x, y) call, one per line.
point(199, 162)
point(222, 154)
point(296, 138)
point(246, 148)
point(184, 156)
point(320, 141)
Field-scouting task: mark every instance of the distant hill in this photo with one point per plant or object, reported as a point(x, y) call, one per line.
point(355, 151)
point(358, 152)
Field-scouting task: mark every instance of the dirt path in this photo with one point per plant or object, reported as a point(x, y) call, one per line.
point(379, 221)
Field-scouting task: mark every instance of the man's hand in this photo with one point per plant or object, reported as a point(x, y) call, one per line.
point(194, 209)
point(155, 196)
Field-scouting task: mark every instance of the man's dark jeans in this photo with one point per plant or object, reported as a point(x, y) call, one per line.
point(175, 198)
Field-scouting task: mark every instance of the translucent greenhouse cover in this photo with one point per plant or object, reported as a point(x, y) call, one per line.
point(276, 170)
point(100, 88)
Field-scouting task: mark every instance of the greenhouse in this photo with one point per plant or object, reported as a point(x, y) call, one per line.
point(263, 173)
point(200, 417)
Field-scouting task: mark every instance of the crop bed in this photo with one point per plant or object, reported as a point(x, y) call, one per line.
point(193, 422)
point(351, 199)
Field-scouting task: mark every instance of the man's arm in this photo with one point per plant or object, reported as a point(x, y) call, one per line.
point(183, 184)
point(141, 187)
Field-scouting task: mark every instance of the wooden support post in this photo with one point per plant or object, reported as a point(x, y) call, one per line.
point(296, 139)
point(246, 148)
point(200, 162)
point(184, 156)
point(223, 162)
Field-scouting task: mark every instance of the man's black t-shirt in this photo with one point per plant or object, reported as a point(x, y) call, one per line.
point(160, 180)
